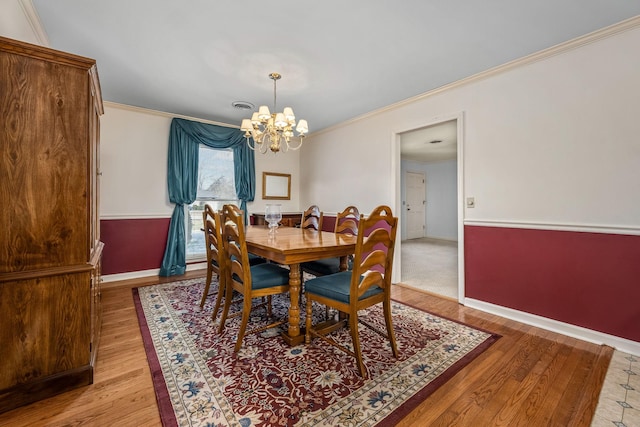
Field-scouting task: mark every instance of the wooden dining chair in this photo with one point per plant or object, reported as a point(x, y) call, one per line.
point(346, 223)
point(262, 280)
point(212, 235)
point(369, 283)
point(312, 218)
point(213, 245)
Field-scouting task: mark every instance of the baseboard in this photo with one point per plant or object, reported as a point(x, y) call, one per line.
point(106, 279)
point(621, 344)
point(45, 387)
point(444, 239)
point(424, 291)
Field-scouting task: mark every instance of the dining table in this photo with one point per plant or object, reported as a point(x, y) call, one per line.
point(292, 246)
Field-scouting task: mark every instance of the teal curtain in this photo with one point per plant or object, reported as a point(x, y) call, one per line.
point(185, 136)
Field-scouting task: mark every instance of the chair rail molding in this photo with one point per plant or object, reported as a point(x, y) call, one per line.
point(533, 225)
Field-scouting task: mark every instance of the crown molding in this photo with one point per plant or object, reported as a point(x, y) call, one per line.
point(165, 114)
point(603, 33)
point(34, 21)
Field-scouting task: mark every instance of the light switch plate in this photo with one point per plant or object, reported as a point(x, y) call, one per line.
point(471, 202)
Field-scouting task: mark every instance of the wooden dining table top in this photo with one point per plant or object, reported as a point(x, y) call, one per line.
point(290, 245)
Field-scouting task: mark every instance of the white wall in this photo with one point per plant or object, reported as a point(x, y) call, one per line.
point(288, 162)
point(133, 160)
point(133, 156)
point(555, 140)
point(20, 21)
point(348, 166)
point(441, 213)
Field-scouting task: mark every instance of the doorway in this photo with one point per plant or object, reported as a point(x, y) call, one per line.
point(431, 258)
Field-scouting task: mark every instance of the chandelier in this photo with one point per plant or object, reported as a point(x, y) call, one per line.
point(273, 131)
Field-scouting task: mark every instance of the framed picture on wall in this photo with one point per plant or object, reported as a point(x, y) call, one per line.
point(276, 186)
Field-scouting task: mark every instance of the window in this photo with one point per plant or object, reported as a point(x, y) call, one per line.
point(216, 187)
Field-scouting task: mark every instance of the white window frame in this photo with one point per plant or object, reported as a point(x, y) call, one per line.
point(194, 226)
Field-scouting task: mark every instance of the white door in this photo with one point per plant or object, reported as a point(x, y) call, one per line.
point(415, 191)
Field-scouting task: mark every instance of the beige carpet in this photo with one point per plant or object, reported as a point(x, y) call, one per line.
point(430, 265)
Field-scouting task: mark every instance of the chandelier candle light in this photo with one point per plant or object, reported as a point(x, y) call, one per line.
point(273, 131)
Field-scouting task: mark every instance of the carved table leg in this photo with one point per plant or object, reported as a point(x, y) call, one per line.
point(293, 335)
point(344, 263)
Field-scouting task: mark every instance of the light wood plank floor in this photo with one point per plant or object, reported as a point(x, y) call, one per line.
point(529, 377)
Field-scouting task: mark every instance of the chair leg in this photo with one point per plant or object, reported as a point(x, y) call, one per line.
point(326, 307)
point(246, 310)
point(390, 333)
point(221, 292)
point(225, 310)
point(206, 286)
point(301, 284)
point(353, 326)
point(307, 334)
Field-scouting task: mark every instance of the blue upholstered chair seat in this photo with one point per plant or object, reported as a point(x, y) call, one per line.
point(267, 275)
point(336, 286)
point(255, 259)
point(322, 267)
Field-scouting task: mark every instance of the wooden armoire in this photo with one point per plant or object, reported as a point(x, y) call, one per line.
point(50, 249)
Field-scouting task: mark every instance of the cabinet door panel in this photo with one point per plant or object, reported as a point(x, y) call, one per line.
point(45, 328)
point(43, 178)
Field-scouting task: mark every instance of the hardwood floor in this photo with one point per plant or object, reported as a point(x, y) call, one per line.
point(529, 377)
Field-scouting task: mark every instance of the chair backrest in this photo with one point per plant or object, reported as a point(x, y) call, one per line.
point(373, 260)
point(211, 234)
point(235, 247)
point(213, 242)
point(347, 221)
point(312, 218)
point(207, 213)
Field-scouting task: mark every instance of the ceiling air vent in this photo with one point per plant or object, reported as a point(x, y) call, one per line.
point(243, 105)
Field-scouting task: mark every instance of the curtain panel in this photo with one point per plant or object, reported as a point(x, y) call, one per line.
point(185, 137)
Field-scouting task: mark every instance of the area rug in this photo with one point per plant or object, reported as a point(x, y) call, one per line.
point(199, 381)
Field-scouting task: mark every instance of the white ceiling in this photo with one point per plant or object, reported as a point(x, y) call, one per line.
point(431, 144)
point(339, 59)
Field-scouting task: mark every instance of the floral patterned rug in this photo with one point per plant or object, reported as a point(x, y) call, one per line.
point(199, 381)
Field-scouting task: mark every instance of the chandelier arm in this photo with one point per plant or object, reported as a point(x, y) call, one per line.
point(289, 146)
point(264, 142)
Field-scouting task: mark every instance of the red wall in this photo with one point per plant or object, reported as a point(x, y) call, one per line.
point(133, 244)
point(585, 279)
point(138, 244)
point(328, 223)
